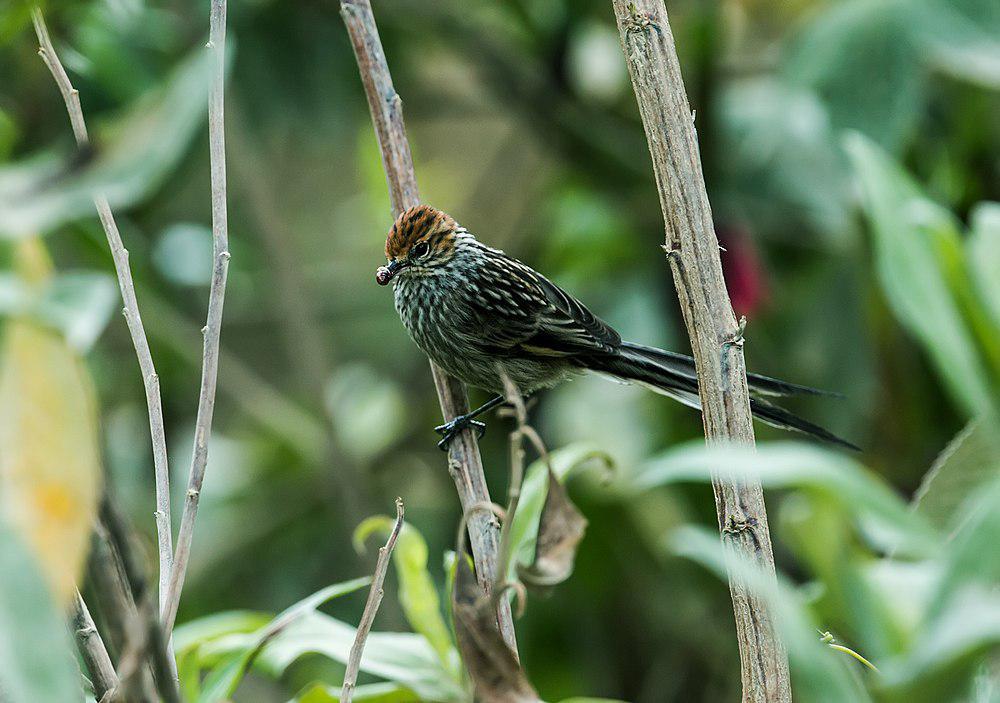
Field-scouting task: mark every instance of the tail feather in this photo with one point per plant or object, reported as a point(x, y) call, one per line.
point(674, 375)
point(757, 383)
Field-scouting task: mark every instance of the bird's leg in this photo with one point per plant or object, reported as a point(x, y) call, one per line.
point(450, 430)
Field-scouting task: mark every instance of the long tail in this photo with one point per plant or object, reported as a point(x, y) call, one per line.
point(673, 375)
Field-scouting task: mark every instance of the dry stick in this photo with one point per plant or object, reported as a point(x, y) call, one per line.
point(375, 594)
point(716, 339)
point(464, 461)
point(92, 649)
point(216, 298)
point(119, 254)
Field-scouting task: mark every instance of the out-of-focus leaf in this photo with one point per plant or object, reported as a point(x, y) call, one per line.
point(560, 529)
point(524, 527)
point(819, 674)
point(417, 594)
point(133, 155)
point(225, 677)
point(968, 464)
point(400, 657)
point(863, 60)
point(50, 468)
point(210, 627)
point(886, 520)
point(79, 304)
point(496, 675)
point(960, 41)
point(368, 410)
point(183, 254)
point(916, 241)
point(370, 693)
point(946, 656)
point(983, 253)
point(36, 656)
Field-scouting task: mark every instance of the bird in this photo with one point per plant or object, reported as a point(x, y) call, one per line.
point(484, 317)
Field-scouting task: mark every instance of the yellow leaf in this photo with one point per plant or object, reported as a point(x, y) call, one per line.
point(49, 456)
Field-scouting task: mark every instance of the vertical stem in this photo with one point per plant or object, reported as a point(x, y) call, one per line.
point(716, 340)
point(464, 462)
point(216, 298)
point(119, 254)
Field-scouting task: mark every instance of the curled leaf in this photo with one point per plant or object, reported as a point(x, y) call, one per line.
point(493, 668)
point(560, 530)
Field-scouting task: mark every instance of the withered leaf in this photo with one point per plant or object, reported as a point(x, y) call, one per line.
point(493, 668)
point(560, 529)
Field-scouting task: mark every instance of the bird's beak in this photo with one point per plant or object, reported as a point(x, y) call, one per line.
point(384, 274)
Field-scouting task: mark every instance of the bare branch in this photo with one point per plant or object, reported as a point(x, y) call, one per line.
point(371, 608)
point(216, 299)
point(92, 649)
point(693, 253)
point(464, 461)
point(151, 382)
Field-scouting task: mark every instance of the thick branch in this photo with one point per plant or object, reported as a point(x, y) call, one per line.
point(464, 461)
point(92, 649)
point(119, 254)
point(216, 299)
point(375, 594)
point(716, 339)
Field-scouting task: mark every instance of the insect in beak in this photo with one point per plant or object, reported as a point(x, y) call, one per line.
point(384, 274)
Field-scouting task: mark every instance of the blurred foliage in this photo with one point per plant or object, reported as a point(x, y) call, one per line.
point(852, 156)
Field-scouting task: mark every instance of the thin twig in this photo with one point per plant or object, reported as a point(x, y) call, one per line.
point(693, 254)
point(94, 653)
point(119, 254)
point(371, 608)
point(464, 462)
point(216, 299)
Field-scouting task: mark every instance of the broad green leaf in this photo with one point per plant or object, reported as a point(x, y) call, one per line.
point(226, 676)
point(36, 656)
point(534, 488)
point(919, 257)
point(417, 593)
point(370, 693)
point(133, 155)
point(819, 674)
point(196, 632)
point(79, 304)
point(969, 463)
point(50, 470)
point(844, 48)
point(983, 253)
point(401, 657)
point(832, 476)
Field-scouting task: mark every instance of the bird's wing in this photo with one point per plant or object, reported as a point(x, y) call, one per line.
point(519, 311)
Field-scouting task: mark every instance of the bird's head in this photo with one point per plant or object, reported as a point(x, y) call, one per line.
point(421, 239)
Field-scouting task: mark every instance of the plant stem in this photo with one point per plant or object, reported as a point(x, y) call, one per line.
point(716, 338)
point(92, 649)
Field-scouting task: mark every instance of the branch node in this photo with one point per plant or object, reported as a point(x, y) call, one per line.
point(737, 339)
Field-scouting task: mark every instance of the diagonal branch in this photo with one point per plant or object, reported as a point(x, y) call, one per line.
point(216, 298)
point(464, 461)
point(371, 608)
point(716, 337)
point(119, 254)
point(92, 650)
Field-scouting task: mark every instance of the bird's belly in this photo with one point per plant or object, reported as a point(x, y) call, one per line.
point(436, 323)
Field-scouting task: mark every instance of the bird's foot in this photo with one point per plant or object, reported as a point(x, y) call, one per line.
point(450, 430)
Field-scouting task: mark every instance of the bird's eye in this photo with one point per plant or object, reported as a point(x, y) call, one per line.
point(419, 249)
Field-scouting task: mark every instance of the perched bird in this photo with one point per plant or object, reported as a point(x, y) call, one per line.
point(480, 314)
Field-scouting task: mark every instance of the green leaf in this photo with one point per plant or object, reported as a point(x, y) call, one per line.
point(226, 676)
point(401, 657)
point(79, 304)
point(819, 674)
point(886, 520)
point(983, 255)
point(970, 462)
point(196, 632)
point(370, 693)
point(919, 259)
point(863, 59)
point(534, 489)
point(417, 593)
point(133, 155)
point(36, 656)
